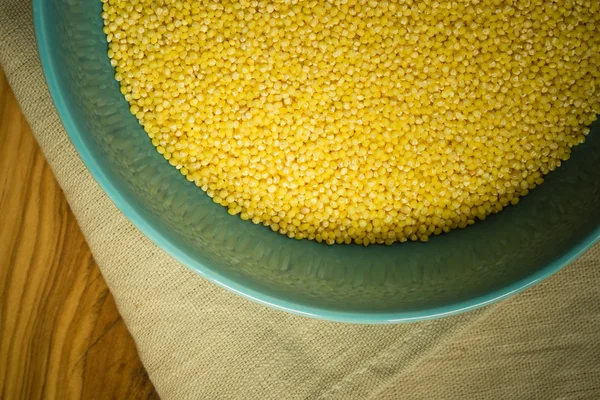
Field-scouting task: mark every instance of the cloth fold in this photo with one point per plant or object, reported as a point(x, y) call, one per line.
point(198, 341)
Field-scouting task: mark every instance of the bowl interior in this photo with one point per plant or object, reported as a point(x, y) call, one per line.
point(412, 280)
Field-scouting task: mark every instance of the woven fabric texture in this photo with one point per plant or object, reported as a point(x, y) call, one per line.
point(198, 341)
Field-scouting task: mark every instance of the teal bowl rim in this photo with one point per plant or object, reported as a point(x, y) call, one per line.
point(172, 248)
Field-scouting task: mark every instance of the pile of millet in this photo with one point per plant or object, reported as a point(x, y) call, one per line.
point(360, 121)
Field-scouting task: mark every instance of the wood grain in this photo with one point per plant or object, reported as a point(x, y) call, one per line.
point(61, 336)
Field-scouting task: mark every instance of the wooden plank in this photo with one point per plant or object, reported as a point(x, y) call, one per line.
point(61, 336)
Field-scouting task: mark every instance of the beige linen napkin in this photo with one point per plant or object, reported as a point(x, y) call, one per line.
point(198, 341)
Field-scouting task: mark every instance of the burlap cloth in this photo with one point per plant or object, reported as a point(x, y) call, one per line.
point(198, 341)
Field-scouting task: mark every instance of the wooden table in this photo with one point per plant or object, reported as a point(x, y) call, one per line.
point(61, 336)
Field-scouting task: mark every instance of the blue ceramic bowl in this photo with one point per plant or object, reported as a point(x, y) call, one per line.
point(451, 273)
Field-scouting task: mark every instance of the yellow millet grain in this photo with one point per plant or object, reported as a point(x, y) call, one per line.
point(360, 121)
